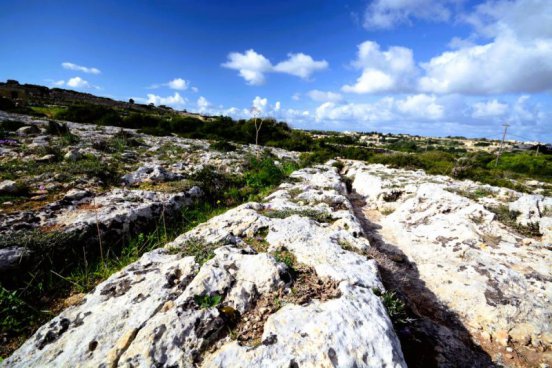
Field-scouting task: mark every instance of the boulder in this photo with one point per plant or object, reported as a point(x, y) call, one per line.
point(9, 187)
point(149, 173)
point(28, 130)
point(72, 155)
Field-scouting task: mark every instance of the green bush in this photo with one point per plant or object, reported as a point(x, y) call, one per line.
point(223, 146)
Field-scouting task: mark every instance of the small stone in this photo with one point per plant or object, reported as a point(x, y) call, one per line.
point(27, 130)
point(509, 349)
point(8, 187)
point(502, 337)
point(72, 155)
point(76, 194)
point(46, 158)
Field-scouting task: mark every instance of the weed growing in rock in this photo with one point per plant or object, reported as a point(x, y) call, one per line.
point(286, 258)
point(392, 196)
point(509, 218)
point(208, 301)
point(396, 308)
point(319, 216)
point(201, 251)
point(387, 211)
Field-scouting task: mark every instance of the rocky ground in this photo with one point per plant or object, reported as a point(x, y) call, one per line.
point(346, 264)
point(171, 309)
point(77, 178)
point(469, 273)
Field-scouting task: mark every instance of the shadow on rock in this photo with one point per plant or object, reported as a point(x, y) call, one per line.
point(436, 337)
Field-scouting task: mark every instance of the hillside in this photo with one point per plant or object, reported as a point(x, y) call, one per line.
point(156, 241)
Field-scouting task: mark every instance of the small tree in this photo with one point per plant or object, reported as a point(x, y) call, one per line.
point(131, 101)
point(258, 125)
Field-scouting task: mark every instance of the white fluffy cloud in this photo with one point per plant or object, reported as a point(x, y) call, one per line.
point(77, 82)
point(178, 84)
point(300, 65)
point(393, 70)
point(324, 96)
point(509, 52)
point(488, 109)
point(253, 66)
point(175, 101)
point(518, 59)
point(385, 14)
point(203, 104)
point(277, 106)
point(419, 107)
point(80, 68)
point(505, 65)
point(259, 104)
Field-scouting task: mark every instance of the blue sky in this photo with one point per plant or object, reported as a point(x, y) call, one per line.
point(449, 67)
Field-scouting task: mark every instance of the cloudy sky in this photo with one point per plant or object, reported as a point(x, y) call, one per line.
point(431, 67)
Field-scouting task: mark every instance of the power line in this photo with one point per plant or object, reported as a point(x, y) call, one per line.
point(505, 125)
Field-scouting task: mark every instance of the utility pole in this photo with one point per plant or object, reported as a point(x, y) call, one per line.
point(505, 125)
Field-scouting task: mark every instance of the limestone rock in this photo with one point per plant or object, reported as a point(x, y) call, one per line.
point(155, 173)
point(152, 314)
point(72, 155)
point(474, 265)
point(8, 187)
point(28, 130)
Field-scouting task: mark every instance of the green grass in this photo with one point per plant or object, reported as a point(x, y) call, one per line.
point(285, 257)
point(49, 111)
point(319, 216)
point(208, 301)
point(201, 251)
point(396, 308)
point(509, 218)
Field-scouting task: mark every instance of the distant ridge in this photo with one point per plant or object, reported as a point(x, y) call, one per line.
point(36, 95)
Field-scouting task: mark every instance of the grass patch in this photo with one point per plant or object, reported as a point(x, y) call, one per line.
point(319, 216)
point(201, 251)
point(285, 257)
point(208, 301)
point(509, 218)
point(396, 308)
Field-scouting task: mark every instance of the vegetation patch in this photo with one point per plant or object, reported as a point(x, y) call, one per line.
point(305, 287)
point(396, 308)
point(208, 301)
point(258, 242)
point(509, 218)
point(392, 196)
point(316, 215)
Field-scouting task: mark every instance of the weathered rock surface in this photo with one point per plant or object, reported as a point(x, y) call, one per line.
point(150, 313)
point(8, 187)
point(82, 215)
point(535, 209)
point(153, 173)
point(497, 282)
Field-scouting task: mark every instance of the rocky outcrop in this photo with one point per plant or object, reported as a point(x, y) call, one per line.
point(81, 216)
point(178, 306)
point(497, 282)
point(150, 173)
point(534, 210)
